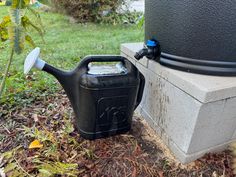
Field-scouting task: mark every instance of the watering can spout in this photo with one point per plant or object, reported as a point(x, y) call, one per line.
point(65, 78)
point(34, 61)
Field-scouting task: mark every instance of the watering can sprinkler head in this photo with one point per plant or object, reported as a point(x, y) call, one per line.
point(33, 61)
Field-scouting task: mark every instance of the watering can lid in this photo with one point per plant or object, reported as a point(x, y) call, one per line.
point(107, 69)
point(31, 59)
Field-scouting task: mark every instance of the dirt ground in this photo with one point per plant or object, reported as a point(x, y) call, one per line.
point(49, 119)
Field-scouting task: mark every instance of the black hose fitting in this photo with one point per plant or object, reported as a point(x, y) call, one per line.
point(151, 50)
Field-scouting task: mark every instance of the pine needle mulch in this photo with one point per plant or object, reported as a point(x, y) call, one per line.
point(38, 139)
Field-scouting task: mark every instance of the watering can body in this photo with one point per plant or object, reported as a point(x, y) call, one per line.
point(103, 103)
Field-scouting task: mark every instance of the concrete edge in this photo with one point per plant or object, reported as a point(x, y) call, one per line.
point(205, 96)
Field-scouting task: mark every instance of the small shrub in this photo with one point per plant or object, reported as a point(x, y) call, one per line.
point(8, 2)
point(88, 10)
point(122, 18)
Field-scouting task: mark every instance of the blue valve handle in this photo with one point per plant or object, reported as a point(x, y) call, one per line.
point(151, 43)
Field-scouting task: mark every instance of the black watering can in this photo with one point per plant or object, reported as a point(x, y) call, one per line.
point(103, 101)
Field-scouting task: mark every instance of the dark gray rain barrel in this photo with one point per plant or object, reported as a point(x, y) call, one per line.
point(195, 35)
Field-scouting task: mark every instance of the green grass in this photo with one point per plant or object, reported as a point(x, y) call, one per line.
point(66, 44)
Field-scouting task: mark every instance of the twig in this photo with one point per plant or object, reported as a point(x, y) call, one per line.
point(6, 129)
point(6, 73)
point(18, 164)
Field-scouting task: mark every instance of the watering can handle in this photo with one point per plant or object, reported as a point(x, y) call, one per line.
point(140, 91)
point(101, 58)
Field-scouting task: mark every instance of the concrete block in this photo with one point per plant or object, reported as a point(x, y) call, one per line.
point(234, 136)
point(211, 114)
point(193, 114)
point(230, 108)
point(168, 107)
point(212, 135)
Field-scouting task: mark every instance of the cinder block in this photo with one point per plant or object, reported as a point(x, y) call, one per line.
point(234, 136)
point(230, 108)
point(210, 114)
point(193, 114)
point(168, 107)
point(212, 135)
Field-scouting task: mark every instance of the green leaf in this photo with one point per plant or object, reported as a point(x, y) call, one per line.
point(38, 17)
point(20, 4)
point(141, 22)
point(27, 2)
point(3, 28)
point(26, 23)
point(17, 173)
point(8, 154)
point(4, 35)
point(10, 167)
point(5, 22)
point(69, 128)
point(44, 172)
point(58, 168)
point(30, 41)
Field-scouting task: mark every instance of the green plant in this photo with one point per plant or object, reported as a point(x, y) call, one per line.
point(15, 28)
point(141, 22)
point(8, 2)
point(125, 18)
point(88, 10)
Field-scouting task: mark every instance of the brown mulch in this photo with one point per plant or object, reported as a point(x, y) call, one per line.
point(137, 153)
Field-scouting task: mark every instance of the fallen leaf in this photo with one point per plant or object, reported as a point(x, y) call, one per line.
point(35, 145)
point(1, 161)
point(214, 174)
point(161, 174)
point(2, 173)
point(35, 117)
point(134, 173)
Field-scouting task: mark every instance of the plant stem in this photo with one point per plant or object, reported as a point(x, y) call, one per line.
point(6, 73)
point(24, 171)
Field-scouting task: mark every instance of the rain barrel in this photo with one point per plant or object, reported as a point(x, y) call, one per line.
point(195, 35)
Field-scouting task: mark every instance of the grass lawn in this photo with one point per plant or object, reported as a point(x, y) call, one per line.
point(66, 44)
